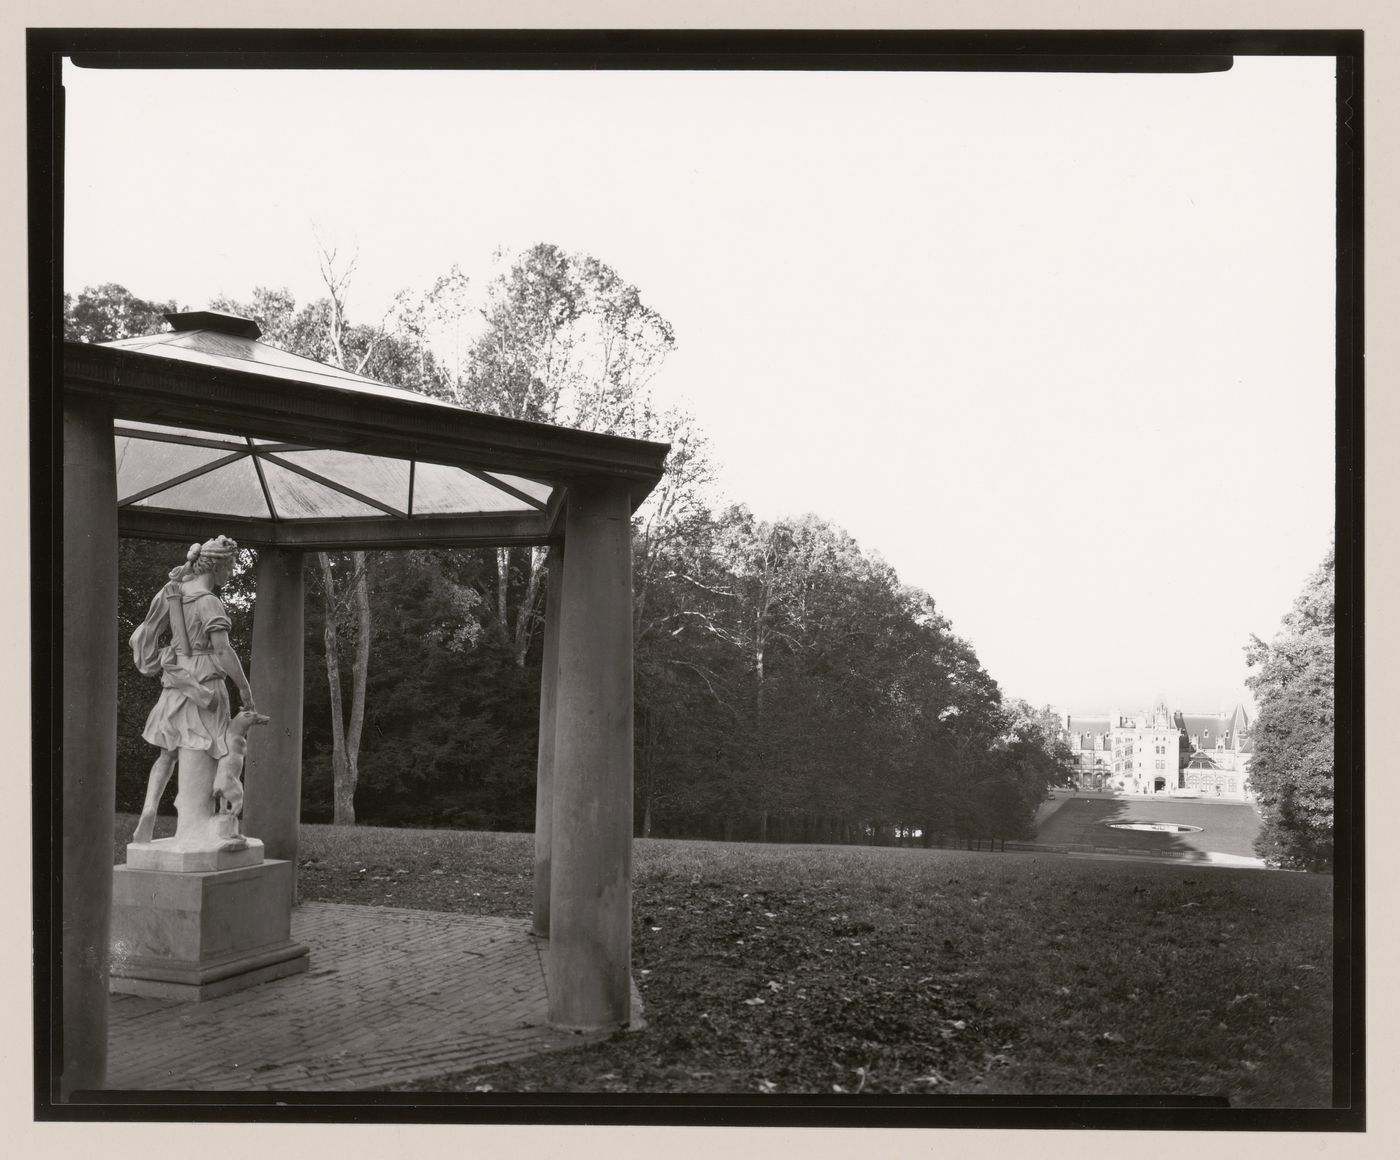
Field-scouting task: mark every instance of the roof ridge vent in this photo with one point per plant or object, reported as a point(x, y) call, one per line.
point(216, 320)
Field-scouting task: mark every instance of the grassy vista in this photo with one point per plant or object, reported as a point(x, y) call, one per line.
point(857, 969)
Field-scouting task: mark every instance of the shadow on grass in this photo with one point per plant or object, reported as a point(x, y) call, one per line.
point(1225, 827)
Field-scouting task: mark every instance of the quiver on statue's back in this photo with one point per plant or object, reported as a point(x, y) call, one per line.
point(145, 641)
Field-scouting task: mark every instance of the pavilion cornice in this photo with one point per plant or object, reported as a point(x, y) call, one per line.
point(149, 388)
point(490, 529)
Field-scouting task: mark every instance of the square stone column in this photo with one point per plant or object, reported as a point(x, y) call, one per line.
point(590, 919)
point(272, 773)
point(87, 802)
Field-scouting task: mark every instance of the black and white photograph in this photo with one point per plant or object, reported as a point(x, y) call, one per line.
point(788, 578)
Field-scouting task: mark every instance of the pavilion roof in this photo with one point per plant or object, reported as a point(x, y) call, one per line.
point(218, 432)
point(218, 346)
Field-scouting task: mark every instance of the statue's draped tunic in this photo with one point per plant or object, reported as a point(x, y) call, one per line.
point(193, 710)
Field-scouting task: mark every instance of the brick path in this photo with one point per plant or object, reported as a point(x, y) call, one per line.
point(392, 995)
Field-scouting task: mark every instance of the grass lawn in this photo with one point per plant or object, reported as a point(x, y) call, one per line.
point(855, 969)
point(1226, 827)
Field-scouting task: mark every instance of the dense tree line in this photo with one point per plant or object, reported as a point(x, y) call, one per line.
point(788, 686)
point(1291, 770)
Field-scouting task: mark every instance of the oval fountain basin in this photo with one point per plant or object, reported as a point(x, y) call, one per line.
point(1155, 827)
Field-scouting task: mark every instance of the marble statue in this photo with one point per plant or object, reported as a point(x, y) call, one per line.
point(191, 723)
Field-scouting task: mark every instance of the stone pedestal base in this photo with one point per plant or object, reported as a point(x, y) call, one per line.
point(158, 855)
point(196, 936)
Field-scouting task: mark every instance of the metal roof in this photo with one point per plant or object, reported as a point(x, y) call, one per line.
point(219, 348)
point(217, 432)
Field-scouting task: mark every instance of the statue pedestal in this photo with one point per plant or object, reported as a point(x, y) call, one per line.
point(158, 855)
point(198, 935)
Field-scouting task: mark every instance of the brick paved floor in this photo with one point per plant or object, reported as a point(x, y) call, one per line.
point(391, 995)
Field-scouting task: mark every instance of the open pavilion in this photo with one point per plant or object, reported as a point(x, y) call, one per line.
point(203, 430)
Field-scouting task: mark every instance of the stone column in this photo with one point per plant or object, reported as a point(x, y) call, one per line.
point(88, 801)
point(272, 773)
point(544, 776)
point(590, 939)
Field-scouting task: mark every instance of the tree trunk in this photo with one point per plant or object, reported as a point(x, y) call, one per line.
point(502, 591)
point(345, 749)
point(360, 676)
point(344, 804)
point(345, 743)
point(758, 682)
point(525, 618)
point(646, 731)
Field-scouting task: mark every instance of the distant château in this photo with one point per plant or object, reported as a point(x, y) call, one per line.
point(1186, 754)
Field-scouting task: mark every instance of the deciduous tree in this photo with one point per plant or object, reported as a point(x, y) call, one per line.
point(110, 312)
point(322, 330)
point(566, 341)
point(1291, 769)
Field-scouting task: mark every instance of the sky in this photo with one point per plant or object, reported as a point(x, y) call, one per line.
point(1059, 348)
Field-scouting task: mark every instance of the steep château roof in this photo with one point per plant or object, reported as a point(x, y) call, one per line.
point(1206, 728)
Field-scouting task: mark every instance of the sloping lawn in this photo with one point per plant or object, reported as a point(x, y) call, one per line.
point(1225, 827)
point(854, 969)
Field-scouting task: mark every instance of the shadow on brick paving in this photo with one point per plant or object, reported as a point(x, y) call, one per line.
point(392, 995)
